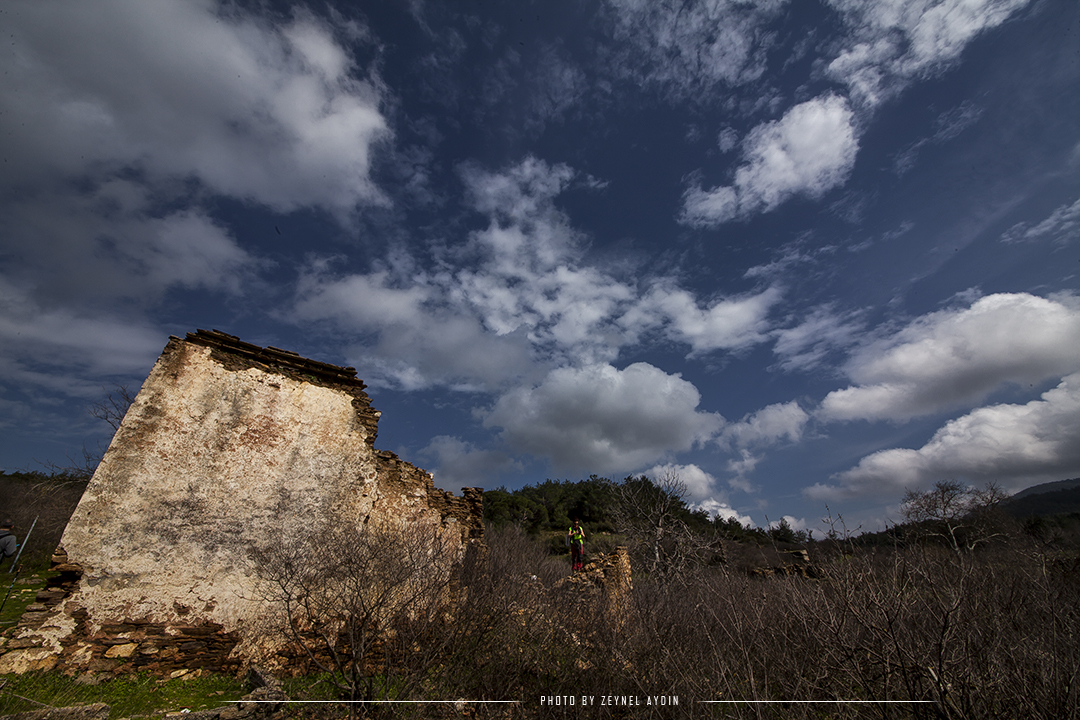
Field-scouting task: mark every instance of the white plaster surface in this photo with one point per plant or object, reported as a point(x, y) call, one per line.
point(208, 462)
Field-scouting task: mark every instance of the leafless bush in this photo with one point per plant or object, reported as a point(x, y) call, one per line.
point(114, 407)
point(357, 604)
point(506, 638)
point(963, 517)
point(935, 637)
point(911, 632)
point(48, 499)
point(649, 514)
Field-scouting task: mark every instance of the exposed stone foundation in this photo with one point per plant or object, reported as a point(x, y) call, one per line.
point(605, 583)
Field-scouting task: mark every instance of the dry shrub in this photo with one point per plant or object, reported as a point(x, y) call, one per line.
point(971, 636)
point(968, 635)
point(47, 499)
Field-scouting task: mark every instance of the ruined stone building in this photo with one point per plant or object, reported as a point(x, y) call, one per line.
point(227, 446)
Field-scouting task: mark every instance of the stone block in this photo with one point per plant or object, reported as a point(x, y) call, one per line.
point(122, 651)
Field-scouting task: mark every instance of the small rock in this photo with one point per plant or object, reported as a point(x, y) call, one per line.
point(121, 651)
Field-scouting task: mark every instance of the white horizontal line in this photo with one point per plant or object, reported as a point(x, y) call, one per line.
point(228, 702)
point(876, 702)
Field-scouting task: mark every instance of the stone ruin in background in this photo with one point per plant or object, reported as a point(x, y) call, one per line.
point(227, 446)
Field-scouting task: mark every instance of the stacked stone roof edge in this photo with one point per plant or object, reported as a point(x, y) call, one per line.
point(272, 357)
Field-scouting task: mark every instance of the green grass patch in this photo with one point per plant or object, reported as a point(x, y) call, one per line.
point(129, 696)
point(23, 591)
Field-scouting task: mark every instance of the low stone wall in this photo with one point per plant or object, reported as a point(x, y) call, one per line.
point(605, 581)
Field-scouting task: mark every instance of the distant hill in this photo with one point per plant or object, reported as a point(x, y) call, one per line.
point(1047, 487)
point(1056, 498)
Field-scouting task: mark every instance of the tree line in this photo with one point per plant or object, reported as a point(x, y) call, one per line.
point(551, 505)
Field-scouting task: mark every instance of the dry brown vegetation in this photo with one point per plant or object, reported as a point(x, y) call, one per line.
point(42, 502)
point(915, 632)
point(927, 625)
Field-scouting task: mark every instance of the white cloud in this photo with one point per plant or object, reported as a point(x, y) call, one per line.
point(363, 301)
point(952, 357)
point(528, 275)
point(515, 298)
point(523, 270)
point(691, 48)
point(34, 337)
point(602, 419)
point(703, 492)
point(460, 464)
point(808, 151)
point(806, 345)
point(895, 42)
point(793, 522)
point(179, 90)
point(420, 341)
point(757, 431)
point(1061, 228)
point(771, 424)
point(124, 121)
point(521, 193)
point(108, 245)
point(731, 323)
point(722, 510)
point(1013, 445)
point(700, 485)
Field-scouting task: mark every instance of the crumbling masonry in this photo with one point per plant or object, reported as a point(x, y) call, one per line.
point(227, 446)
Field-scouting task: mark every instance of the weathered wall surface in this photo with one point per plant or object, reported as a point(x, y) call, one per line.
point(602, 589)
point(227, 446)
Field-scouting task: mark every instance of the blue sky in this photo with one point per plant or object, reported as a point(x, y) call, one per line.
point(806, 255)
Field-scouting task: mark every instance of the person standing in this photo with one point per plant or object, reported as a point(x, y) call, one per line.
point(576, 536)
point(8, 543)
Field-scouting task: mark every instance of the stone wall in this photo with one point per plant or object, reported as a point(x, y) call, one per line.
point(227, 446)
point(603, 586)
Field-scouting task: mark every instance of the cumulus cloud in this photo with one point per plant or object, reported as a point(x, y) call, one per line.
point(959, 356)
point(518, 296)
point(1012, 444)
point(757, 431)
point(513, 296)
point(110, 244)
point(276, 115)
point(730, 323)
point(524, 271)
point(893, 43)
point(601, 419)
point(796, 524)
point(808, 151)
point(722, 510)
point(702, 491)
point(126, 121)
point(700, 485)
point(419, 340)
point(771, 424)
